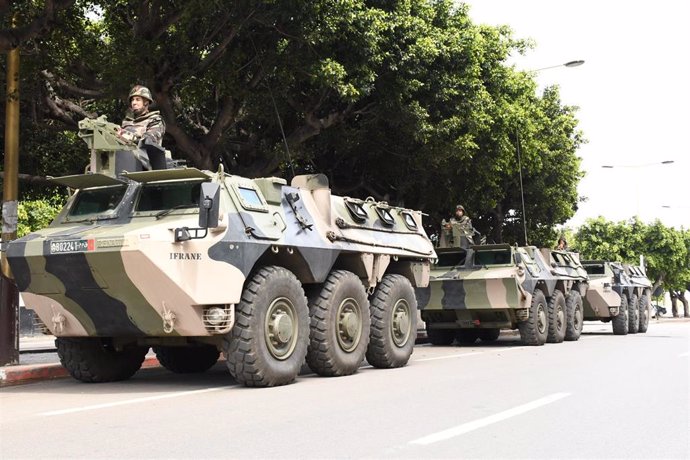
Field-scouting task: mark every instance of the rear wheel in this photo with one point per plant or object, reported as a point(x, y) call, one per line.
point(633, 315)
point(466, 336)
point(574, 315)
point(534, 330)
point(489, 335)
point(556, 314)
point(339, 325)
point(187, 360)
point(645, 312)
point(393, 323)
point(95, 360)
point(620, 321)
point(439, 336)
point(268, 343)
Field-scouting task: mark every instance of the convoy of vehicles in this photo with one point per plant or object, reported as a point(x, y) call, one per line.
point(194, 263)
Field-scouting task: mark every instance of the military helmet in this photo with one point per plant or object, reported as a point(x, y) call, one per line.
point(141, 91)
point(461, 207)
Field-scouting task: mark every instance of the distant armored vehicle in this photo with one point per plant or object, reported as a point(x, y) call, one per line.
point(475, 293)
point(620, 294)
point(195, 262)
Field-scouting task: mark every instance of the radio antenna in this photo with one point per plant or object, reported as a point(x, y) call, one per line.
point(522, 189)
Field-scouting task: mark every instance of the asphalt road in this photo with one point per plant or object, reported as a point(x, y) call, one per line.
point(602, 397)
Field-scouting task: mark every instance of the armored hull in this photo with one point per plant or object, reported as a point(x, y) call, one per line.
point(475, 293)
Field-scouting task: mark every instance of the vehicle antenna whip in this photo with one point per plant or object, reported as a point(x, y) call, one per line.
point(275, 107)
point(522, 190)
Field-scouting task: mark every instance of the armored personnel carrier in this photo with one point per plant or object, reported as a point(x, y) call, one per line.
point(620, 294)
point(475, 293)
point(194, 262)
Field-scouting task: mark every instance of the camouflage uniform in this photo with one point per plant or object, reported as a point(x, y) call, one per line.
point(149, 126)
point(144, 125)
point(461, 227)
point(453, 231)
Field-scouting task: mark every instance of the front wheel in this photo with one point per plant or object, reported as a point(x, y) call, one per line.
point(393, 323)
point(534, 330)
point(268, 343)
point(620, 321)
point(633, 315)
point(95, 360)
point(574, 315)
point(645, 312)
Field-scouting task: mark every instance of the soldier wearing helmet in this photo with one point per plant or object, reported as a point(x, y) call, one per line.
point(140, 123)
point(458, 231)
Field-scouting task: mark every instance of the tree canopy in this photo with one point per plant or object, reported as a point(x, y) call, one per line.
point(666, 250)
point(407, 101)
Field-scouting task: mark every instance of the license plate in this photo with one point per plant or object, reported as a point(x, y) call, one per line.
point(61, 247)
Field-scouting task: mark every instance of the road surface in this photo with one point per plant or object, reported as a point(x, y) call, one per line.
point(604, 396)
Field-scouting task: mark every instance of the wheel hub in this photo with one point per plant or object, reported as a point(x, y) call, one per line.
point(541, 319)
point(281, 328)
point(349, 325)
point(400, 326)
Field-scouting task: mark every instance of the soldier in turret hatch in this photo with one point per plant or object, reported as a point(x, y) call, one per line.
point(458, 231)
point(141, 123)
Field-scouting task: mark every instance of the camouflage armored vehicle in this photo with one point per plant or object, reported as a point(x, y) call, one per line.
point(620, 294)
point(475, 293)
point(194, 262)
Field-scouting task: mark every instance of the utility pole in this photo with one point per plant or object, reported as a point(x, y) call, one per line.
point(9, 296)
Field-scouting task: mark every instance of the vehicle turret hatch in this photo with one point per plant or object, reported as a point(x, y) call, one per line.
point(167, 174)
point(86, 180)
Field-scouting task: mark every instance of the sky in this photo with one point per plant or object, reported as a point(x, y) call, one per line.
point(633, 94)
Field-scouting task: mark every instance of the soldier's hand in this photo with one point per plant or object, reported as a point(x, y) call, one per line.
point(126, 135)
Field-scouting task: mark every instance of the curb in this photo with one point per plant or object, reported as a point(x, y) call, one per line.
point(22, 374)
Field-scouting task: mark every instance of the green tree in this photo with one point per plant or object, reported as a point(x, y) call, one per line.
point(665, 249)
point(407, 101)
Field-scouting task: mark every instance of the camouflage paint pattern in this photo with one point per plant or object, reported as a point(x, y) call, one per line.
point(120, 273)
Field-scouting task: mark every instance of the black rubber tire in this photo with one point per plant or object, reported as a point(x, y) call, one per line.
point(250, 355)
point(534, 330)
point(557, 317)
point(489, 335)
point(187, 360)
point(633, 314)
point(393, 332)
point(330, 354)
point(466, 336)
point(440, 337)
point(645, 312)
point(93, 360)
point(620, 321)
point(574, 314)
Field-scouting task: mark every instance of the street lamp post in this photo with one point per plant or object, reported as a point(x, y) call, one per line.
point(638, 167)
point(568, 64)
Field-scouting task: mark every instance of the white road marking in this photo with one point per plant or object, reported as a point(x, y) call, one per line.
point(683, 355)
point(129, 401)
point(482, 422)
point(461, 355)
